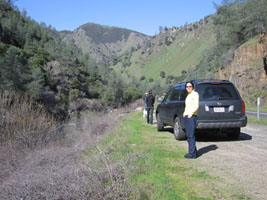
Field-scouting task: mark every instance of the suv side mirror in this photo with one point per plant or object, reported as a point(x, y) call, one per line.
point(160, 99)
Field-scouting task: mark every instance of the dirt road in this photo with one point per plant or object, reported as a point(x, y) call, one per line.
point(242, 163)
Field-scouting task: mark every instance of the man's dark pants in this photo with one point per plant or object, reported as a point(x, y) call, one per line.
point(190, 125)
point(150, 115)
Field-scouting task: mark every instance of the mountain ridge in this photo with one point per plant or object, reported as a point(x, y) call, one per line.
point(104, 42)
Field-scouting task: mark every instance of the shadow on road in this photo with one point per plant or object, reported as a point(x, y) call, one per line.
point(220, 137)
point(206, 149)
point(215, 136)
point(244, 136)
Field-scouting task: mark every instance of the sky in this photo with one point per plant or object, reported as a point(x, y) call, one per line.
point(144, 16)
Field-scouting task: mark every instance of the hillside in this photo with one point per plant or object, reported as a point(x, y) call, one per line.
point(35, 61)
point(170, 54)
point(104, 43)
point(114, 65)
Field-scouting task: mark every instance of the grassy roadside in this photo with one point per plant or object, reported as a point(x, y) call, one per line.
point(160, 170)
point(254, 120)
point(253, 108)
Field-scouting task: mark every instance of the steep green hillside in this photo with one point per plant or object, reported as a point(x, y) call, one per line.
point(173, 51)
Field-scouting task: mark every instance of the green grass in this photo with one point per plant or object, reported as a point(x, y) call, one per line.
point(176, 58)
point(253, 108)
point(160, 170)
point(159, 178)
point(253, 41)
point(254, 120)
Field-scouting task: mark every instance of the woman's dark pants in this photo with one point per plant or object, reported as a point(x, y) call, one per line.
point(190, 125)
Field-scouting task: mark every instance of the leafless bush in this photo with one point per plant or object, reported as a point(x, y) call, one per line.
point(23, 121)
point(137, 103)
point(24, 126)
point(63, 170)
point(50, 175)
point(110, 177)
point(227, 57)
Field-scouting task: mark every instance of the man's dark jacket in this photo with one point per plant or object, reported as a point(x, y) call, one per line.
point(150, 100)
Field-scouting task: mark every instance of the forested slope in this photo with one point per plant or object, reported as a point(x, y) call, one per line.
point(34, 60)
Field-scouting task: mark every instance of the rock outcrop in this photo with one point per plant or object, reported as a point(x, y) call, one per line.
point(247, 72)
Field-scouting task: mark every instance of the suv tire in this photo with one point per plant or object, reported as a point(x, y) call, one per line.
point(178, 131)
point(160, 125)
point(233, 133)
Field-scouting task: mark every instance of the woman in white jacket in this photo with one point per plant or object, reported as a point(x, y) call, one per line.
point(190, 119)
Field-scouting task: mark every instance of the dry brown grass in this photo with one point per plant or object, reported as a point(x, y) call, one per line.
point(59, 167)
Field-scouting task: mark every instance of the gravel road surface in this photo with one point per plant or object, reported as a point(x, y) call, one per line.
point(241, 163)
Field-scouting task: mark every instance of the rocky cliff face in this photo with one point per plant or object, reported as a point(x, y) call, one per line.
point(247, 72)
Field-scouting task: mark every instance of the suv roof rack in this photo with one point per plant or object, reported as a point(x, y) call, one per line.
point(203, 80)
point(209, 80)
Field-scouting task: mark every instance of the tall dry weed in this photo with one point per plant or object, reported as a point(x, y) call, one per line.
point(63, 170)
point(24, 126)
point(24, 121)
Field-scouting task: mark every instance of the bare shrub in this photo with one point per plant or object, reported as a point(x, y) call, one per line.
point(86, 104)
point(63, 169)
point(24, 121)
point(24, 126)
point(110, 177)
point(136, 104)
point(50, 175)
point(227, 57)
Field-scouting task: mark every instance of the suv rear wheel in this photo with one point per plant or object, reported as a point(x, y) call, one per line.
point(160, 125)
point(179, 133)
point(233, 133)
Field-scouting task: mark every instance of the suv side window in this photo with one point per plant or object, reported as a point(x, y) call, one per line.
point(175, 94)
point(183, 94)
point(168, 96)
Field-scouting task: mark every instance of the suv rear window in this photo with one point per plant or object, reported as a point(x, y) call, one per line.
point(216, 92)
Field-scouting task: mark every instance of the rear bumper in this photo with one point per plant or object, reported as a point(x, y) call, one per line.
point(207, 124)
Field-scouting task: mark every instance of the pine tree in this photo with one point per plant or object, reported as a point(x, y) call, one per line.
point(36, 87)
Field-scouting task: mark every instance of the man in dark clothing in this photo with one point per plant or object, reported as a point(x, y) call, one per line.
point(150, 100)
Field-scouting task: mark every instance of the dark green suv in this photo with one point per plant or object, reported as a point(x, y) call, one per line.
point(221, 109)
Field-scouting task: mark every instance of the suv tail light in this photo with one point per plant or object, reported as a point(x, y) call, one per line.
point(215, 83)
point(243, 108)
